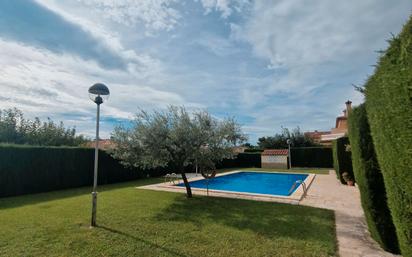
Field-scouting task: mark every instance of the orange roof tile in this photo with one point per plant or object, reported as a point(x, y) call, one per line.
point(275, 152)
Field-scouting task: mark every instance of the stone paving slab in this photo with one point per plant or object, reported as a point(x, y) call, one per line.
point(352, 233)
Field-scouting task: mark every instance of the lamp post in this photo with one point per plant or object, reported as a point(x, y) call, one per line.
point(290, 160)
point(97, 93)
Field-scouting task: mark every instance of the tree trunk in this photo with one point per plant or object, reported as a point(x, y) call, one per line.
point(187, 185)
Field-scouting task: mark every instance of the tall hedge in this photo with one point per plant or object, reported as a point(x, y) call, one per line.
point(342, 161)
point(28, 169)
point(319, 157)
point(370, 181)
point(388, 94)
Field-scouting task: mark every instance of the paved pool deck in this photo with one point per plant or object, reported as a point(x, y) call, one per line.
point(352, 233)
point(294, 198)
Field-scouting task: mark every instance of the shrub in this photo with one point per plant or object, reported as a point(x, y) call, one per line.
point(320, 157)
point(370, 181)
point(342, 161)
point(389, 108)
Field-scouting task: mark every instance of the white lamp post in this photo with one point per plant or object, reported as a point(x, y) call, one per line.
point(289, 153)
point(97, 93)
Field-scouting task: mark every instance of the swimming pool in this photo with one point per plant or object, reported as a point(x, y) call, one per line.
point(252, 182)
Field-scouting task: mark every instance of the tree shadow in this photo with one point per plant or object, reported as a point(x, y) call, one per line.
point(138, 239)
point(271, 220)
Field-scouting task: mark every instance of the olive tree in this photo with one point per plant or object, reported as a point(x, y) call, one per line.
point(177, 139)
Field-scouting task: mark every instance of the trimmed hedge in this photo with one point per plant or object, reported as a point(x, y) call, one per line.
point(388, 94)
point(370, 181)
point(342, 161)
point(319, 157)
point(29, 169)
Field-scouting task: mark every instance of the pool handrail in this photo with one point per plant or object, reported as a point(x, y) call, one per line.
point(303, 186)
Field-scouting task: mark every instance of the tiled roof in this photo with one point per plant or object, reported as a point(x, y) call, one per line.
point(103, 144)
point(275, 152)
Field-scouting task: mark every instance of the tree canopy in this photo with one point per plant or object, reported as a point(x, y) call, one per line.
point(177, 139)
point(278, 141)
point(16, 129)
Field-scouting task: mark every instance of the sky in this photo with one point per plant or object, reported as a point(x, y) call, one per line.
point(268, 63)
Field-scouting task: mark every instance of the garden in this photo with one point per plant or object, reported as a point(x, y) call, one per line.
point(45, 179)
point(134, 222)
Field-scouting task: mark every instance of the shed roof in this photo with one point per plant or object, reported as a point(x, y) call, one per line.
point(275, 152)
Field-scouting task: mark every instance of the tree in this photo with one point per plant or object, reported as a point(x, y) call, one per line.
point(278, 141)
point(176, 139)
point(14, 128)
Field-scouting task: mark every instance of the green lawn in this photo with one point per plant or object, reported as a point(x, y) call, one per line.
point(134, 222)
point(297, 170)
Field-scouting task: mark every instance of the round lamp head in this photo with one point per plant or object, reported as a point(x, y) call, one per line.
point(288, 141)
point(99, 93)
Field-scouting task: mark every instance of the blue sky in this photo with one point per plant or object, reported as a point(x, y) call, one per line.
point(268, 63)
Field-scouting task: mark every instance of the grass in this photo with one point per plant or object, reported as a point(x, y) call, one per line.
point(135, 222)
point(297, 170)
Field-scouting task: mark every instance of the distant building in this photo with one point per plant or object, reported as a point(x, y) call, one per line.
point(275, 158)
point(239, 149)
point(316, 136)
point(340, 129)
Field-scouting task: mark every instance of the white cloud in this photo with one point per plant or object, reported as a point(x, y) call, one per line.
point(316, 52)
point(43, 83)
point(155, 15)
point(226, 7)
point(136, 63)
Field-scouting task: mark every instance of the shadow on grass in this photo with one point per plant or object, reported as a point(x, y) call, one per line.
point(138, 239)
point(21, 200)
point(271, 220)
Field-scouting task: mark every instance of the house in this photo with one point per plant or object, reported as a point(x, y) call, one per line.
point(340, 130)
point(104, 144)
point(275, 158)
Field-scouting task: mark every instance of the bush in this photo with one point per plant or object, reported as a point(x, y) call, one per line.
point(28, 169)
point(389, 108)
point(319, 157)
point(342, 161)
point(370, 181)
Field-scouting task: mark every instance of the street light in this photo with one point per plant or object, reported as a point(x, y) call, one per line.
point(97, 93)
point(290, 160)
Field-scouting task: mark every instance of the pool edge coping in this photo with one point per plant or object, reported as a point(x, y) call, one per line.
point(294, 198)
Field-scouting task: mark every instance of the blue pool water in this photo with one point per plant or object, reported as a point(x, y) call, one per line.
point(252, 182)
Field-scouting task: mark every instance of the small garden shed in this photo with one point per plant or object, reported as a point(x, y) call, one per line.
point(275, 158)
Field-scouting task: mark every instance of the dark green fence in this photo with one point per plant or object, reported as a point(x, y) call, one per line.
point(28, 169)
point(242, 160)
point(319, 157)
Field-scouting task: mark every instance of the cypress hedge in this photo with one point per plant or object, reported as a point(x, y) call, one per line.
point(342, 161)
point(388, 94)
point(370, 181)
point(319, 157)
point(29, 169)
